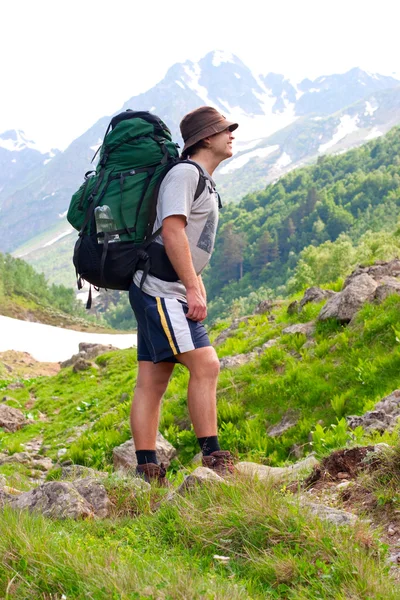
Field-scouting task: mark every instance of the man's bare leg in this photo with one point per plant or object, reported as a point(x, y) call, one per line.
point(203, 365)
point(152, 381)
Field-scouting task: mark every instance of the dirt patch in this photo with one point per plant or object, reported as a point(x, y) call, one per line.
point(343, 464)
point(23, 365)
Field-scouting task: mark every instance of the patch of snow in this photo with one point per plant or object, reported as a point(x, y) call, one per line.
point(180, 84)
point(193, 74)
point(58, 237)
point(238, 76)
point(220, 56)
point(373, 75)
point(243, 146)
point(21, 143)
point(64, 214)
point(283, 161)
point(152, 108)
point(14, 160)
point(317, 118)
point(347, 125)
point(314, 90)
point(374, 133)
point(240, 161)
point(45, 162)
point(53, 344)
point(96, 146)
point(369, 109)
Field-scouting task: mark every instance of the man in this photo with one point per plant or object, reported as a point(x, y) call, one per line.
point(169, 314)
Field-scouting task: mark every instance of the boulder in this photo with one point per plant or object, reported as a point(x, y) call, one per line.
point(11, 419)
point(87, 352)
point(265, 306)
point(81, 365)
point(125, 458)
point(229, 362)
point(333, 515)
point(315, 294)
point(289, 420)
point(378, 271)
point(35, 461)
point(95, 495)
point(200, 476)
point(383, 417)
point(4, 497)
point(57, 499)
point(78, 471)
point(305, 328)
point(276, 474)
point(387, 287)
point(293, 308)
point(344, 305)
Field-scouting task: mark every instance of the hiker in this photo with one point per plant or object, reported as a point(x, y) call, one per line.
point(170, 313)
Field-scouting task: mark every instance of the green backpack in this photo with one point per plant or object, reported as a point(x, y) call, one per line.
point(115, 208)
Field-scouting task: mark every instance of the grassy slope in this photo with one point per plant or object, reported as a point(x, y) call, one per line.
point(276, 550)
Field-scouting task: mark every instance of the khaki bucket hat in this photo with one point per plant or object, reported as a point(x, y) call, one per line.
point(201, 123)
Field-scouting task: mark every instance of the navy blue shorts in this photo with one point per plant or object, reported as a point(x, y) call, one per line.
point(163, 328)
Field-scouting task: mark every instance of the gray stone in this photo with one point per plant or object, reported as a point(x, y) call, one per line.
point(78, 471)
point(293, 308)
point(125, 458)
point(11, 419)
point(81, 365)
point(230, 362)
point(35, 461)
point(276, 474)
point(4, 498)
point(344, 305)
point(15, 386)
point(333, 515)
point(289, 420)
point(57, 499)
point(95, 494)
point(305, 328)
point(383, 417)
point(200, 476)
point(378, 271)
point(269, 344)
point(388, 286)
point(3, 481)
point(226, 333)
point(265, 306)
point(315, 294)
point(87, 352)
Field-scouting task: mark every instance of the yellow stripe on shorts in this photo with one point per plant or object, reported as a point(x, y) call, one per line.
point(165, 325)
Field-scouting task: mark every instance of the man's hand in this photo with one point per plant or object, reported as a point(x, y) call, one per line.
point(196, 304)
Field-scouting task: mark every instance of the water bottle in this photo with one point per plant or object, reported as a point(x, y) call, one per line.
point(104, 223)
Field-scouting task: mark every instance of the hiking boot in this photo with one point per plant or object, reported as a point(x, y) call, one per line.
point(153, 473)
point(220, 461)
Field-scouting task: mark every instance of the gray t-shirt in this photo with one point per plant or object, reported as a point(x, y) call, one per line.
point(176, 197)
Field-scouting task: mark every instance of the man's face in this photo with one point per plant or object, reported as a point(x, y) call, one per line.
point(221, 144)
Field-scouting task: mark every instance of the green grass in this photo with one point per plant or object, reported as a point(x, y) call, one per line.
point(275, 550)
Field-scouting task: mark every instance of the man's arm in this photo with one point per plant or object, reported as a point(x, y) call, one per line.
point(178, 251)
point(202, 288)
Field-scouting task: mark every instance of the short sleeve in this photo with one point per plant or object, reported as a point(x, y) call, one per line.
point(177, 191)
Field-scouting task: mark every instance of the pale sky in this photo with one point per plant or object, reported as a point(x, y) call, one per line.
point(66, 64)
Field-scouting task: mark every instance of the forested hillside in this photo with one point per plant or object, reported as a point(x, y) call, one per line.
point(25, 294)
point(262, 239)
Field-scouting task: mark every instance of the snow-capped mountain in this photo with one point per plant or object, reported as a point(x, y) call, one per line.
point(19, 156)
point(283, 124)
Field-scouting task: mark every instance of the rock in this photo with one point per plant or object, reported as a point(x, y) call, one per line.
point(3, 481)
point(87, 352)
point(348, 460)
point(33, 445)
point(95, 494)
point(289, 420)
point(11, 419)
point(389, 285)
point(125, 458)
point(226, 333)
point(200, 476)
point(57, 499)
point(94, 350)
point(81, 365)
point(79, 471)
point(62, 452)
point(305, 328)
point(293, 308)
point(269, 344)
point(229, 362)
point(377, 271)
point(333, 515)
point(383, 417)
point(265, 306)
point(391, 530)
point(344, 305)
point(265, 473)
point(315, 294)
point(35, 461)
point(15, 386)
point(4, 497)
